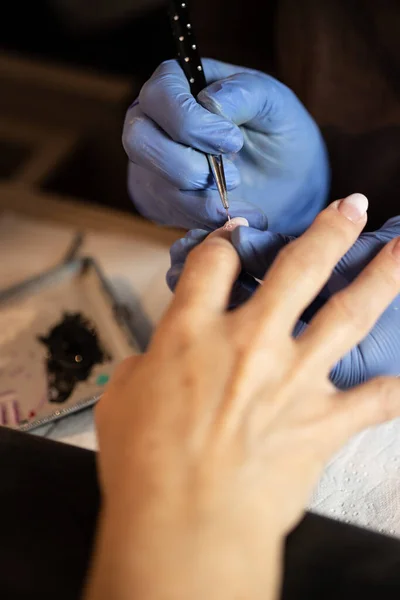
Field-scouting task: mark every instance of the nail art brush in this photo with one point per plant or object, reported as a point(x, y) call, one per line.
point(190, 60)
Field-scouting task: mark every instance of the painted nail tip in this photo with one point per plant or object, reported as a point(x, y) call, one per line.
point(358, 200)
point(357, 196)
point(354, 207)
point(239, 221)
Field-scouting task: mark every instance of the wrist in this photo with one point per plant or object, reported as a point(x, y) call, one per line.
point(156, 557)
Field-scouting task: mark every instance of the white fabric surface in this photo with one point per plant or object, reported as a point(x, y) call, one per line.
point(361, 485)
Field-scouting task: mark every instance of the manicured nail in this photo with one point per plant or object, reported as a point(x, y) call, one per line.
point(354, 207)
point(235, 222)
point(396, 250)
point(226, 230)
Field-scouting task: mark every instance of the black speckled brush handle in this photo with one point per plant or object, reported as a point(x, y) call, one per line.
point(190, 61)
point(188, 54)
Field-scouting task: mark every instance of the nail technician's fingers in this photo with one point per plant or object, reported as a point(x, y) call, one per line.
point(181, 248)
point(258, 100)
point(187, 209)
point(151, 148)
point(304, 265)
point(214, 70)
point(179, 252)
point(349, 315)
point(167, 100)
point(210, 271)
point(258, 249)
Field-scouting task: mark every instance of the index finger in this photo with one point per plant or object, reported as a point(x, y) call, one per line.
point(209, 273)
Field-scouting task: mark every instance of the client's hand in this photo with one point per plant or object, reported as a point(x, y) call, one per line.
point(211, 443)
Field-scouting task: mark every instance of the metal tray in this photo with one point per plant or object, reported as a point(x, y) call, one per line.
point(32, 309)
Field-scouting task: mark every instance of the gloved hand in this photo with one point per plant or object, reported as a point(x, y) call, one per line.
point(378, 353)
point(275, 159)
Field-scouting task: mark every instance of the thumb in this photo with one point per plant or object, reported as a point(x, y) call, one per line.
point(255, 99)
point(258, 249)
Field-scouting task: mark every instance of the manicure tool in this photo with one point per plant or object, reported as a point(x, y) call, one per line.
point(190, 61)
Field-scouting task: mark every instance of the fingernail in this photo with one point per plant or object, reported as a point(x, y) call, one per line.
point(235, 222)
point(226, 230)
point(396, 250)
point(254, 215)
point(354, 207)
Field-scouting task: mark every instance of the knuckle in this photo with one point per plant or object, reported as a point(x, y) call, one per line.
point(338, 228)
point(387, 271)
point(132, 137)
point(185, 329)
point(303, 261)
point(347, 311)
point(339, 232)
point(336, 233)
point(277, 97)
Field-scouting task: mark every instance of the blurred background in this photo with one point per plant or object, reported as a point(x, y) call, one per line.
point(68, 71)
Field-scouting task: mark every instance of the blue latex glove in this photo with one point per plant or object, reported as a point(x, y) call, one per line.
point(378, 353)
point(275, 159)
